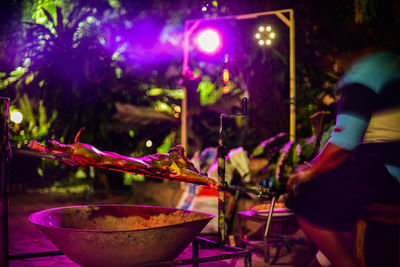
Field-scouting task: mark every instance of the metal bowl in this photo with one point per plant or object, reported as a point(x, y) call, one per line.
point(120, 235)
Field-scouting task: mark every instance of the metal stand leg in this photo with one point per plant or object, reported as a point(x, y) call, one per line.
point(247, 261)
point(221, 195)
point(266, 247)
point(195, 251)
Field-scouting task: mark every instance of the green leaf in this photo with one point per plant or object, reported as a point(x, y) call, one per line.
point(59, 26)
point(48, 15)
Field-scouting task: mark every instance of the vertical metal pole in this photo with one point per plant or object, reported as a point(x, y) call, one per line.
point(221, 205)
point(221, 153)
point(185, 68)
point(292, 69)
point(5, 151)
point(189, 28)
point(184, 120)
point(292, 72)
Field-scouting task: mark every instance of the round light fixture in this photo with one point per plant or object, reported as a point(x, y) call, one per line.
point(208, 41)
point(265, 35)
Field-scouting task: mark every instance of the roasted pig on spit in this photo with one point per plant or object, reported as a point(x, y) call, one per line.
point(172, 165)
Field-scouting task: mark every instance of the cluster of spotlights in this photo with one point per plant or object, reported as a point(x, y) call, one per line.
point(265, 35)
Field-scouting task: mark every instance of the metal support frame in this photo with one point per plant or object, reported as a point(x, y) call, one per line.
point(229, 253)
point(5, 150)
point(269, 237)
point(234, 252)
point(191, 25)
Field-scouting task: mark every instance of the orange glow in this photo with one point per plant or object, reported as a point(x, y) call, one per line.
point(226, 89)
point(225, 76)
point(177, 109)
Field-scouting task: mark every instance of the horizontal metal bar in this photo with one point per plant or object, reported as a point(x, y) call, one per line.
point(35, 255)
point(234, 253)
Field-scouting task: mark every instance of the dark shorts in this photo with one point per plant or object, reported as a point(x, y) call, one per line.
point(335, 200)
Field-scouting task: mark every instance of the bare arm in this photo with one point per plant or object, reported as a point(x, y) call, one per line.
point(330, 157)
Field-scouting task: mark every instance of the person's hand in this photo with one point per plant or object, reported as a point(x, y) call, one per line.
point(303, 173)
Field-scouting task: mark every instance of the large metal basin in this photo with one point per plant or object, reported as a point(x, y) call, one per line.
point(120, 235)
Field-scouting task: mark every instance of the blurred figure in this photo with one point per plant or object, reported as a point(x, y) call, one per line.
point(360, 163)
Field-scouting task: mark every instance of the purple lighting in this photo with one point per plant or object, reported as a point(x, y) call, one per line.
point(208, 41)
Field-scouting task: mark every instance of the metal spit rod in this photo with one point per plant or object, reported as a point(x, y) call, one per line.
point(258, 191)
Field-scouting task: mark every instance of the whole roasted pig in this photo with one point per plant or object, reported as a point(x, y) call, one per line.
point(172, 165)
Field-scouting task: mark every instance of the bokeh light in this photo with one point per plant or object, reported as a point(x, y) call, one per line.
point(149, 143)
point(16, 116)
point(177, 109)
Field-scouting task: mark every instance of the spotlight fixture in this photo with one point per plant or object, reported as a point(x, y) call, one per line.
point(265, 35)
point(208, 41)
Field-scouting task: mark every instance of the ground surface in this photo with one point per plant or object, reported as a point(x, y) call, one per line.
point(26, 238)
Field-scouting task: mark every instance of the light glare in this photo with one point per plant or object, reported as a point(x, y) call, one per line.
point(16, 116)
point(209, 41)
point(149, 143)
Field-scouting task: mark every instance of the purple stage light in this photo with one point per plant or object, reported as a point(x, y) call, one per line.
point(208, 41)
